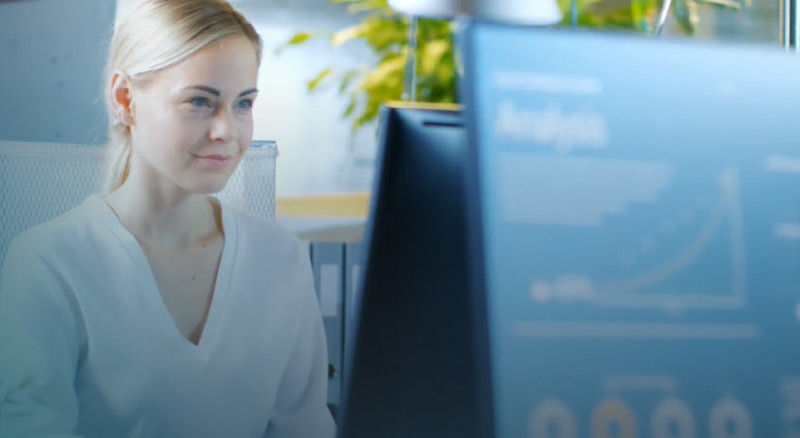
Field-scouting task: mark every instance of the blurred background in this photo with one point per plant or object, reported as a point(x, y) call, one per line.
point(328, 65)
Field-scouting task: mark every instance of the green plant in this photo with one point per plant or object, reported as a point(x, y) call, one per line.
point(385, 31)
point(638, 15)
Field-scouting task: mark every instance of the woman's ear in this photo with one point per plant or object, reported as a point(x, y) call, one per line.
point(122, 97)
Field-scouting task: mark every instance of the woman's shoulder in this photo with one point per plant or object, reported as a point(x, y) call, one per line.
point(267, 253)
point(263, 235)
point(67, 231)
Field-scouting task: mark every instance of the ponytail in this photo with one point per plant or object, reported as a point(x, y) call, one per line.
point(118, 157)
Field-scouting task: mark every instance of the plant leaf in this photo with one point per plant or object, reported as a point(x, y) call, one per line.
point(386, 33)
point(431, 55)
point(731, 5)
point(300, 38)
point(389, 70)
point(347, 79)
point(295, 40)
point(314, 83)
point(347, 34)
point(685, 13)
point(350, 108)
point(358, 8)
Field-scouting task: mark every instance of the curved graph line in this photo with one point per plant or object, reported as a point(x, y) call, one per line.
point(669, 268)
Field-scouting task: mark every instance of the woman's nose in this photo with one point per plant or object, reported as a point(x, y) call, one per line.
point(223, 127)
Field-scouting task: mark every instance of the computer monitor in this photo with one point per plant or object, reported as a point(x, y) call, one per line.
point(637, 207)
point(411, 372)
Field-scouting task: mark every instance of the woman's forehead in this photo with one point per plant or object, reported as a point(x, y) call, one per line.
point(228, 65)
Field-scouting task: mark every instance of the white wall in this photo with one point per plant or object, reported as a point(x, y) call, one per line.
point(318, 152)
point(51, 61)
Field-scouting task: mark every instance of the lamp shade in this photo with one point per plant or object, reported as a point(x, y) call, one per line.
point(534, 12)
point(430, 8)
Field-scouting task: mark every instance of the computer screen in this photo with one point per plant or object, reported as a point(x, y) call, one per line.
point(638, 207)
point(411, 369)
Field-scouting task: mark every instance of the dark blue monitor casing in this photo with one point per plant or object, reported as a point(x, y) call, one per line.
point(412, 365)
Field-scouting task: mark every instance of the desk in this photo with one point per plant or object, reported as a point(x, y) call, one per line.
point(337, 217)
point(333, 227)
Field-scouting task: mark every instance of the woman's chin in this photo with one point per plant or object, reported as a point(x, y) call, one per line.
point(209, 186)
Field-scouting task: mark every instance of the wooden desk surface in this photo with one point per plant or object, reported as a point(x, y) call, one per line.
point(338, 217)
point(333, 205)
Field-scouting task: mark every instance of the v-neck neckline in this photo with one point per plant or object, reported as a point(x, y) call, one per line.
point(149, 286)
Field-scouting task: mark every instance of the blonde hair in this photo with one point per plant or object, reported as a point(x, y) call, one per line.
point(152, 36)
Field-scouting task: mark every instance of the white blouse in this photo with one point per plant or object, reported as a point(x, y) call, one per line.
point(88, 348)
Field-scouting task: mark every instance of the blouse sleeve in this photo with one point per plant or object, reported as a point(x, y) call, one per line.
point(300, 408)
point(41, 334)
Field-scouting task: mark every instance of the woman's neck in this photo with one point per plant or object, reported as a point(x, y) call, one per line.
point(165, 219)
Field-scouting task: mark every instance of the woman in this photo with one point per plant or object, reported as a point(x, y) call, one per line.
point(153, 310)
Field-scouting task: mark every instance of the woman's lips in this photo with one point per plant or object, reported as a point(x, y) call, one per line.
point(216, 162)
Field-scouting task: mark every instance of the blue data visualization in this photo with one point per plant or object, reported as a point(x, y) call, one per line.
point(639, 208)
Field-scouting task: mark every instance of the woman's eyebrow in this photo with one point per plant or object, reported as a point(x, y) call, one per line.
point(248, 91)
point(207, 89)
point(216, 92)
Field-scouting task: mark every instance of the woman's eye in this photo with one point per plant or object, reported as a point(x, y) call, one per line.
point(200, 101)
point(245, 104)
